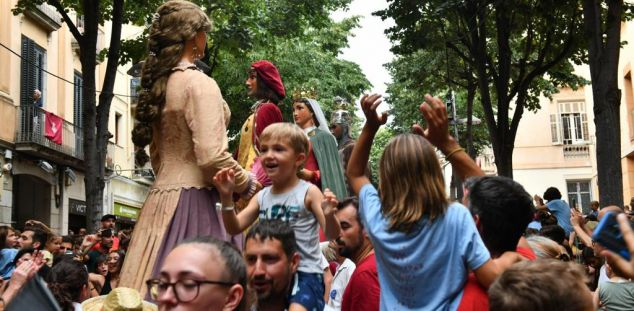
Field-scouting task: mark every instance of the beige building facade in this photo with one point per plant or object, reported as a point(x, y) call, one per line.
point(42, 178)
point(556, 146)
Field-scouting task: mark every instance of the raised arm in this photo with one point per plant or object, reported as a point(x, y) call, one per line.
point(234, 223)
point(437, 133)
point(361, 151)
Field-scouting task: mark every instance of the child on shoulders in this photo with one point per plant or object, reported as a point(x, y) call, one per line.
point(283, 150)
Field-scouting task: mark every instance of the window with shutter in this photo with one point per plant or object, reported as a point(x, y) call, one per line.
point(554, 129)
point(32, 75)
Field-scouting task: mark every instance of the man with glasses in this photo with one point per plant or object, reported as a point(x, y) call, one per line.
point(201, 274)
point(272, 260)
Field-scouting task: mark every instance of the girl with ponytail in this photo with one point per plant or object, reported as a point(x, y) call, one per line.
point(183, 118)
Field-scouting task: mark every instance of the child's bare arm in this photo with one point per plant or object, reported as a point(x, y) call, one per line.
point(234, 224)
point(493, 268)
point(325, 215)
point(361, 151)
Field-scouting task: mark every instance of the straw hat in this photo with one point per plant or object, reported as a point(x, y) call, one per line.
point(119, 299)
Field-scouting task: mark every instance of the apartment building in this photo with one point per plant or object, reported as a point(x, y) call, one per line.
point(556, 146)
point(42, 175)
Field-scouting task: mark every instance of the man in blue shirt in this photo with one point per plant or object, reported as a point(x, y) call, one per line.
point(559, 208)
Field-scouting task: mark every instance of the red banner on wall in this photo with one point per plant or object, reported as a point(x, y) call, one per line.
point(53, 128)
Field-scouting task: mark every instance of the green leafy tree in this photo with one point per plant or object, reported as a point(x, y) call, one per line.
point(602, 25)
point(517, 50)
point(298, 32)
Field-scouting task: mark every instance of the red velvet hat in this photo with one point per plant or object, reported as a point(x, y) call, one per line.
point(270, 76)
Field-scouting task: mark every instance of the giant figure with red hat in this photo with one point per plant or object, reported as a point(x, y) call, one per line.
point(264, 84)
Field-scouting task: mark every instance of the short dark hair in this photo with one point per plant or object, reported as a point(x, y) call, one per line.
point(552, 193)
point(275, 230)
point(554, 232)
point(107, 217)
point(20, 253)
point(38, 236)
point(543, 284)
point(504, 209)
point(68, 239)
point(355, 203)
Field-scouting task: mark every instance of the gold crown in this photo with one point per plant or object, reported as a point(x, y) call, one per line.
point(304, 92)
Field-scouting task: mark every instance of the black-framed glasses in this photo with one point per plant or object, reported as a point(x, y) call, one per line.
point(184, 290)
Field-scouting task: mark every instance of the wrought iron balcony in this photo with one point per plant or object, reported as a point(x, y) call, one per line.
point(30, 137)
point(576, 151)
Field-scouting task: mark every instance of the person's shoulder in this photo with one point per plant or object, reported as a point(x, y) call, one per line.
point(9, 251)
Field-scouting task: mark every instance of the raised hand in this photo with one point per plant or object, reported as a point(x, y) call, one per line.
point(369, 103)
point(329, 204)
point(437, 132)
point(618, 263)
point(225, 182)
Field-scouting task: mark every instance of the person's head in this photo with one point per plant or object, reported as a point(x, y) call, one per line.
point(264, 82)
point(340, 124)
point(24, 254)
point(303, 114)
point(115, 261)
point(353, 239)
point(33, 237)
point(552, 193)
point(178, 28)
point(67, 245)
point(106, 243)
point(37, 94)
point(501, 209)
point(554, 232)
point(68, 282)
point(82, 231)
point(283, 150)
point(594, 205)
point(201, 274)
point(102, 264)
point(546, 248)
point(544, 285)
point(8, 239)
point(411, 182)
point(271, 256)
point(545, 218)
point(108, 221)
point(53, 245)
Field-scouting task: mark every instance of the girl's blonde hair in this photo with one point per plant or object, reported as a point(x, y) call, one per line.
point(174, 23)
point(411, 184)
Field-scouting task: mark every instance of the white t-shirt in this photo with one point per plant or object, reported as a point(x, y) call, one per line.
point(339, 283)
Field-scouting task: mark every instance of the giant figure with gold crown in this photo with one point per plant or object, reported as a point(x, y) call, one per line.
point(323, 166)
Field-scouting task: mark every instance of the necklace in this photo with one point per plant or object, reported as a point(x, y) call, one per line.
point(185, 64)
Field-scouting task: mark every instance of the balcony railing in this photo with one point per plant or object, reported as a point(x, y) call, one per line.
point(31, 129)
point(576, 151)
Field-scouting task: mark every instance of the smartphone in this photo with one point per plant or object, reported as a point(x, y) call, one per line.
point(608, 234)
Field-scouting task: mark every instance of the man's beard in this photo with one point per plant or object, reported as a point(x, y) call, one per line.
point(349, 251)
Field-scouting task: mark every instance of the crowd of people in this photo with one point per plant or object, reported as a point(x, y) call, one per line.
point(292, 221)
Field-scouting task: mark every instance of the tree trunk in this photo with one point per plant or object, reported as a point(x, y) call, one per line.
point(603, 54)
point(88, 57)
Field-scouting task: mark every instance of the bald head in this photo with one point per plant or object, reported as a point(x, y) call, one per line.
point(612, 208)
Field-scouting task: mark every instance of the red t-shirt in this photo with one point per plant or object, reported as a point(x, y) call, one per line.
point(362, 291)
point(474, 297)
